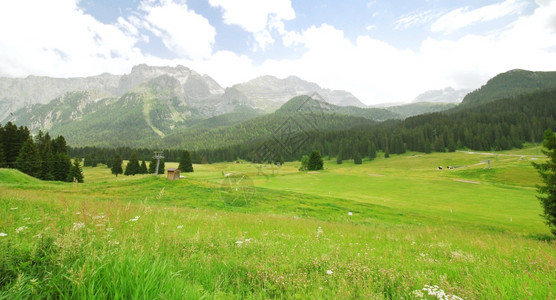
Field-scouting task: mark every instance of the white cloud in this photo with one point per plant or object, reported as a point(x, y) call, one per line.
point(184, 32)
point(416, 18)
point(463, 17)
point(258, 17)
point(58, 39)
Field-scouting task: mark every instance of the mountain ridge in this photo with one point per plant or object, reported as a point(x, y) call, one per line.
point(196, 90)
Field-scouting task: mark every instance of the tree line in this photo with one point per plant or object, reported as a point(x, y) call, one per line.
point(42, 156)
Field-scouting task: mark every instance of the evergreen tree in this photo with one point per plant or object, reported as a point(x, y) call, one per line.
point(547, 171)
point(451, 145)
point(59, 145)
point(162, 167)
point(185, 162)
point(427, 147)
point(357, 159)
point(62, 165)
point(372, 150)
point(75, 173)
point(2, 159)
point(439, 144)
point(304, 163)
point(132, 166)
point(47, 162)
point(315, 161)
point(13, 139)
point(339, 157)
point(117, 165)
point(386, 153)
point(29, 161)
point(152, 166)
point(143, 169)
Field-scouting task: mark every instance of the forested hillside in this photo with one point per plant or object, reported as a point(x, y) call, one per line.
point(498, 125)
point(511, 84)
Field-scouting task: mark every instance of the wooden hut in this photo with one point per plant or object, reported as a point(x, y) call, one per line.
point(173, 174)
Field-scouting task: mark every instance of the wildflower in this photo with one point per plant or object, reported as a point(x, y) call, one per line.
point(134, 219)
point(77, 226)
point(437, 292)
point(77, 212)
point(329, 272)
point(98, 217)
point(350, 213)
point(180, 226)
point(319, 232)
point(20, 229)
point(109, 229)
point(239, 242)
point(13, 208)
point(3, 234)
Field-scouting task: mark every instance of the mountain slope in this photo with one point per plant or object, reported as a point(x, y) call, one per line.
point(511, 84)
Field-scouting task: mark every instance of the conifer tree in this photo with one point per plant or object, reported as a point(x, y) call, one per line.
point(62, 165)
point(339, 158)
point(315, 161)
point(2, 159)
point(117, 165)
point(29, 161)
point(75, 173)
point(304, 163)
point(152, 166)
point(357, 159)
point(547, 170)
point(185, 162)
point(132, 166)
point(47, 163)
point(143, 168)
point(372, 150)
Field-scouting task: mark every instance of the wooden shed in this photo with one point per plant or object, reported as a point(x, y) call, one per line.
point(173, 174)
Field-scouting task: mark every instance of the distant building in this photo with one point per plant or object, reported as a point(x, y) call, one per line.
point(173, 174)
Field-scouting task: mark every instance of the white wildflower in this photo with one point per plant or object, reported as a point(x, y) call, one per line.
point(109, 229)
point(77, 226)
point(319, 232)
point(98, 217)
point(13, 208)
point(350, 213)
point(77, 212)
point(329, 272)
point(20, 229)
point(239, 243)
point(134, 219)
point(437, 292)
point(180, 226)
point(3, 234)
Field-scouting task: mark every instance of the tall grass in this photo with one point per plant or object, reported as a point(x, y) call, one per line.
point(122, 239)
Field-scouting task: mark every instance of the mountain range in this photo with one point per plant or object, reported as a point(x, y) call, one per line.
point(177, 107)
point(200, 93)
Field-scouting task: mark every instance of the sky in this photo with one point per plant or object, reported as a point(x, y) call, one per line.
point(382, 51)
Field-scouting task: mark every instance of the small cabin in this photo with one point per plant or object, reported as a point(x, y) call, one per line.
point(173, 174)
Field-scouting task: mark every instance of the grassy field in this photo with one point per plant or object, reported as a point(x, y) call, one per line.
point(389, 228)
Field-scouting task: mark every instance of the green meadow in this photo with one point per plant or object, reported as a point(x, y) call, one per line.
point(395, 228)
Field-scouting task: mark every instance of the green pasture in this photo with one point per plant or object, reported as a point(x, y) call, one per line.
point(385, 229)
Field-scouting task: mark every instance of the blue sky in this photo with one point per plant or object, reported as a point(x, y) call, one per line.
point(381, 51)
